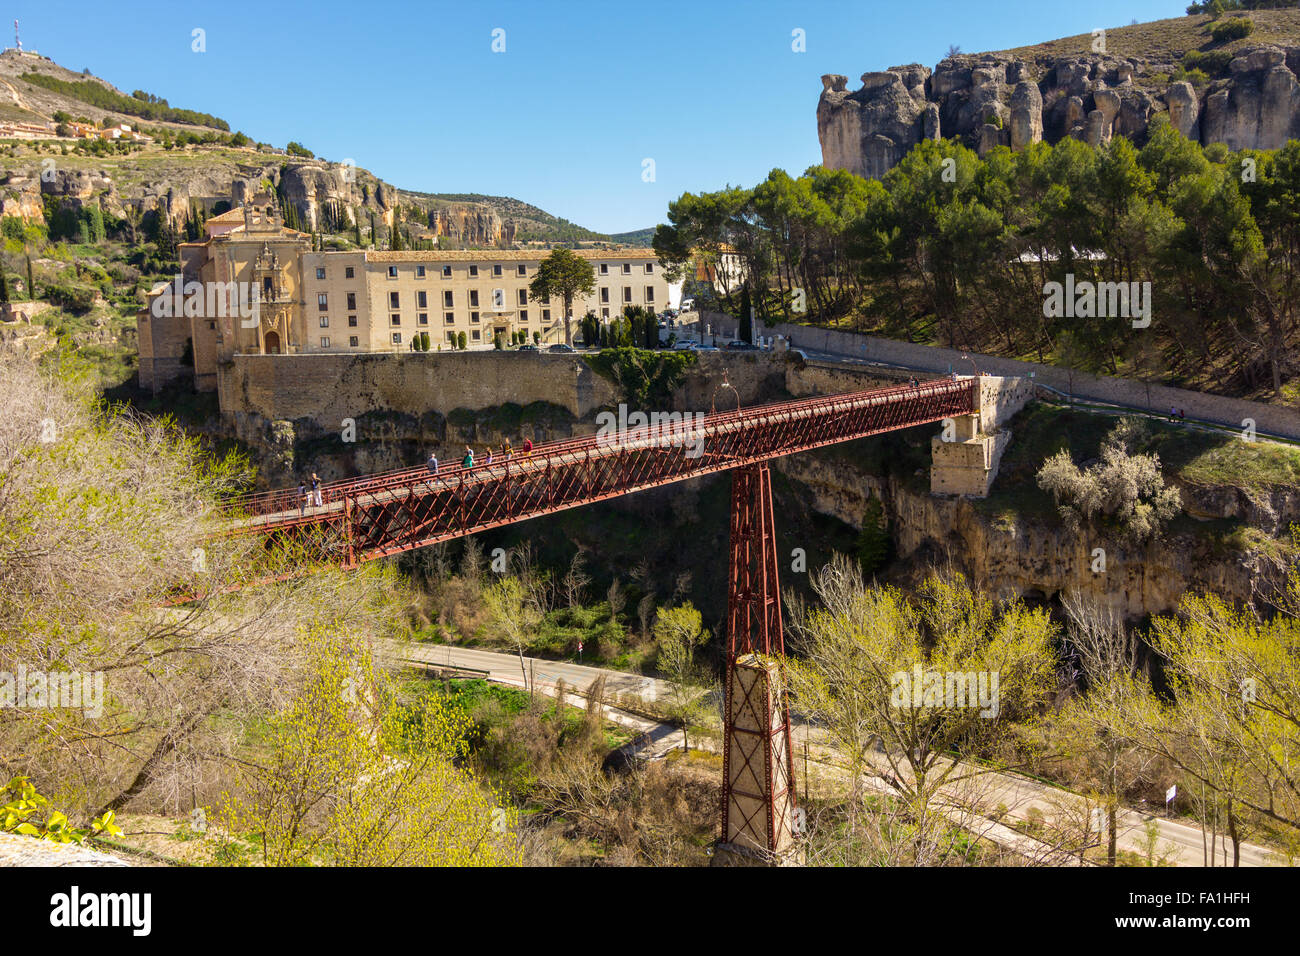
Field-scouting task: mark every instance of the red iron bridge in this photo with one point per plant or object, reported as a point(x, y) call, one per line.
point(380, 515)
point(376, 516)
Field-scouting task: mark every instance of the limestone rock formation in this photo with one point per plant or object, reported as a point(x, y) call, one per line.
point(989, 100)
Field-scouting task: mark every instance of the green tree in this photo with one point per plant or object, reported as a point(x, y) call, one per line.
point(565, 275)
point(460, 340)
point(679, 632)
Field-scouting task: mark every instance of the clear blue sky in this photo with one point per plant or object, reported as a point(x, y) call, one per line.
point(584, 92)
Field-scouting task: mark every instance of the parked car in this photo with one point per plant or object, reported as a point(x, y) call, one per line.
point(736, 345)
point(561, 347)
point(529, 348)
point(685, 346)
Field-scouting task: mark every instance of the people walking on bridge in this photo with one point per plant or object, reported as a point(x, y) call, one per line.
point(487, 459)
point(315, 490)
point(506, 451)
point(468, 461)
point(528, 447)
point(302, 499)
point(433, 463)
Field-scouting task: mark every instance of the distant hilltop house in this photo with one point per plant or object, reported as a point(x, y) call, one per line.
point(112, 133)
point(254, 286)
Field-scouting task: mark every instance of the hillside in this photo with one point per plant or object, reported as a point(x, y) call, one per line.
point(196, 162)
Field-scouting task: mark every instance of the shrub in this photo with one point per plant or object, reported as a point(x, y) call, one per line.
point(1233, 29)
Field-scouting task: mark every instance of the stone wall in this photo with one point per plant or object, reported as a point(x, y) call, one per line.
point(1278, 420)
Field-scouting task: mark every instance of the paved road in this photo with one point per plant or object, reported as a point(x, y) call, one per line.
point(1181, 841)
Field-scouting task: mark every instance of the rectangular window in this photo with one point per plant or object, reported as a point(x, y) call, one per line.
point(496, 269)
point(349, 273)
point(395, 319)
point(320, 273)
point(323, 301)
point(352, 321)
point(324, 321)
point(498, 299)
point(421, 299)
point(473, 270)
point(423, 318)
point(604, 294)
point(352, 301)
point(546, 315)
point(451, 339)
point(449, 317)
point(474, 335)
point(419, 272)
point(447, 299)
point(604, 313)
point(649, 293)
point(627, 268)
point(397, 338)
point(546, 300)
point(523, 315)
point(394, 300)
point(392, 272)
point(627, 293)
point(446, 272)
point(324, 341)
point(473, 317)
point(473, 298)
point(604, 268)
point(523, 296)
point(352, 341)
point(521, 270)
point(649, 268)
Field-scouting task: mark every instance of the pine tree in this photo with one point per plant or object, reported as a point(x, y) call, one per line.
point(31, 281)
point(746, 321)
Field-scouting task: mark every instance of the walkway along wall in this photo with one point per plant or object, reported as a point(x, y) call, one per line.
point(1230, 412)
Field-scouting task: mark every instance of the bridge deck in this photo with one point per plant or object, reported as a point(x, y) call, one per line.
point(376, 515)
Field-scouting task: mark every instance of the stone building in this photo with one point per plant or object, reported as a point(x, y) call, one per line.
point(253, 286)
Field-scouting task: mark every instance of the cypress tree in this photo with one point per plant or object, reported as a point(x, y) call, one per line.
point(4, 285)
point(31, 282)
point(746, 321)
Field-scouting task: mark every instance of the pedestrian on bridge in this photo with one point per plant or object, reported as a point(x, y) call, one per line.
point(315, 490)
point(468, 461)
point(528, 447)
point(433, 463)
point(302, 499)
point(506, 451)
point(488, 457)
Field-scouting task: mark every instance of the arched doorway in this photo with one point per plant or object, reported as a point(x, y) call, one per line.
point(271, 343)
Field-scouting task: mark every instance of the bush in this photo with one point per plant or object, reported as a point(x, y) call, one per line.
point(1212, 62)
point(1233, 29)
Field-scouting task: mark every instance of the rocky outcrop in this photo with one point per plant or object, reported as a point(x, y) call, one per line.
point(174, 189)
point(1020, 557)
point(990, 100)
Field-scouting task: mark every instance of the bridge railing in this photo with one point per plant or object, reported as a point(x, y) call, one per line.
point(286, 502)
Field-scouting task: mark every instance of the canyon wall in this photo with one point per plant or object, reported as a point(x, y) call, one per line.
point(995, 99)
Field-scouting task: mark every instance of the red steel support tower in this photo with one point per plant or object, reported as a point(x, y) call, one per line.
point(758, 795)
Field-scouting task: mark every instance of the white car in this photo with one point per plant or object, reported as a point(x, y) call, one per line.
point(688, 305)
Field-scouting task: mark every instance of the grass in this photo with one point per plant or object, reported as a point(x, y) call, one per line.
point(1167, 40)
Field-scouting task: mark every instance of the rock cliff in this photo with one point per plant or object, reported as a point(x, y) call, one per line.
point(1000, 99)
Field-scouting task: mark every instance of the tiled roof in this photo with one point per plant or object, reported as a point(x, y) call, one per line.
point(502, 255)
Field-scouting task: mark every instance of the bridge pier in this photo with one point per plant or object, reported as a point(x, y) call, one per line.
point(965, 455)
point(758, 793)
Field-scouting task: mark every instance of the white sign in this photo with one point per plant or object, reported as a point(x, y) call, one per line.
point(1171, 793)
